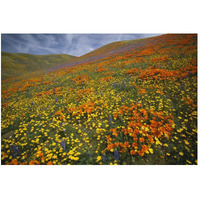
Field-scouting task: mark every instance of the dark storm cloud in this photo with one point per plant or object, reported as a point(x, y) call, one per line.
point(72, 44)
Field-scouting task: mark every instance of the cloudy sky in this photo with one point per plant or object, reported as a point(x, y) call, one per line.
point(72, 44)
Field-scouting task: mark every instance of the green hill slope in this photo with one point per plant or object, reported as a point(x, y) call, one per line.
point(16, 64)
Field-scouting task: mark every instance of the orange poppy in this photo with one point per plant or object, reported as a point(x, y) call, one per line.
point(141, 139)
point(133, 135)
point(135, 145)
point(122, 151)
point(32, 162)
point(144, 148)
point(37, 162)
point(141, 153)
point(136, 131)
point(153, 124)
point(14, 162)
point(58, 112)
point(122, 145)
point(114, 131)
point(116, 144)
point(110, 146)
point(162, 129)
point(126, 144)
point(154, 131)
point(150, 139)
point(130, 130)
point(132, 152)
point(121, 112)
point(142, 91)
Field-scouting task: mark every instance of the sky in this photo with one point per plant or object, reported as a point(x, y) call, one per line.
point(71, 44)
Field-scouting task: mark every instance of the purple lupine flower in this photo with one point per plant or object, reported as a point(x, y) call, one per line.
point(101, 94)
point(183, 86)
point(104, 158)
point(56, 99)
point(32, 103)
point(89, 155)
point(186, 76)
point(110, 120)
point(64, 130)
point(116, 155)
point(122, 99)
point(123, 82)
point(15, 149)
point(63, 145)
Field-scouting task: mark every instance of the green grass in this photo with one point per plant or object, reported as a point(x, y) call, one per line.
point(17, 64)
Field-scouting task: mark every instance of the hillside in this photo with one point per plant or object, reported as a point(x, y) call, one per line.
point(131, 102)
point(16, 64)
point(133, 50)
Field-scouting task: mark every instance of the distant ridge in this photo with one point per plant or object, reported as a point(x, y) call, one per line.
point(17, 64)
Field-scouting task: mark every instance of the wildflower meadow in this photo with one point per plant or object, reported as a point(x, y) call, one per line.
point(126, 103)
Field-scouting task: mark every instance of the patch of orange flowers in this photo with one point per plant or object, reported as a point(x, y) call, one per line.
point(80, 80)
point(102, 69)
point(88, 107)
point(59, 113)
point(157, 74)
point(142, 91)
point(141, 129)
point(132, 71)
point(56, 91)
point(106, 79)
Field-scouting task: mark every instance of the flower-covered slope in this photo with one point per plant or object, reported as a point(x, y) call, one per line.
point(131, 102)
